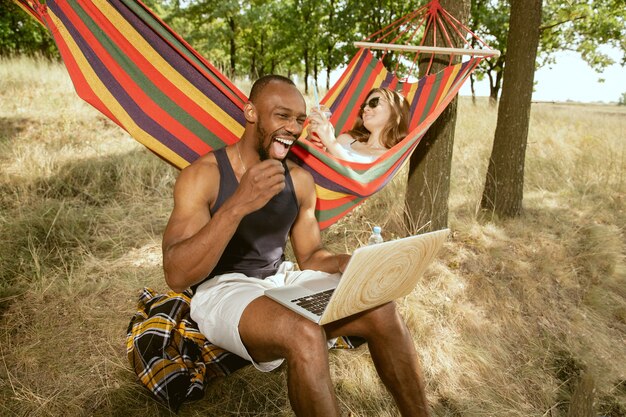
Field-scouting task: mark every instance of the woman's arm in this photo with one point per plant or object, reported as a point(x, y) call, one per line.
point(323, 131)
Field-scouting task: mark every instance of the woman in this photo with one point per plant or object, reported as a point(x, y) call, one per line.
point(382, 122)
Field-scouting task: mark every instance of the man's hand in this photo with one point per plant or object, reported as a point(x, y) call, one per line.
point(342, 261)
point(259, 184)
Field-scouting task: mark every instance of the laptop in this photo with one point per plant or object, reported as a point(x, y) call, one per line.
point(375, 275)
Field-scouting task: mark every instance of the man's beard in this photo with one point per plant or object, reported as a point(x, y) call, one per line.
point(263, 151)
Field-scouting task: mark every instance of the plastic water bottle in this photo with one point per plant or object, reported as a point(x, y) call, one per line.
point(375, 237)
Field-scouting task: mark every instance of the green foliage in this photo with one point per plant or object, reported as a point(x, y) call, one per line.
point(582, 26)
point(20, 34)
point(253, 38)
point(622, 100)
point(490, 19)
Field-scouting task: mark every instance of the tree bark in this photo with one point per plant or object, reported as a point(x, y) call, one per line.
point(315, 70)
point(307, 70)
point(233, 46)
point(495, 85)
point(473, 89)
point(504, 184)
point(428, 183)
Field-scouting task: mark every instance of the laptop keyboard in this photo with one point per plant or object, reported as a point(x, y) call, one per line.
point(315, 303)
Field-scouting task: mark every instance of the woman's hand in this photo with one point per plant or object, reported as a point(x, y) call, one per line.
point(321, 131)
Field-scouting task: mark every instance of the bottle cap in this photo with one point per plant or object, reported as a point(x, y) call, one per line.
point(377, 229)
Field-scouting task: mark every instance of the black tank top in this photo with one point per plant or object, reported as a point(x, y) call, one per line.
point(257, 248)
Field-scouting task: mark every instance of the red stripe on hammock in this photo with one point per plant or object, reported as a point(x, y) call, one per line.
point(344, 74)
point(370, 83)
point(81, 85)
point(167, 87)
point(433, 116)
point(233, 93)
point(334, 219)
point(394, 83)
point(422, 101)
point(447, 73)
point(349, 94)
point(355, 186)
point(337, 202)
point(406, 89)
point(147, 105)
point(34, 12)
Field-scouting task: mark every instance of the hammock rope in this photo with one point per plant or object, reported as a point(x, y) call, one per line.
point(127, 63)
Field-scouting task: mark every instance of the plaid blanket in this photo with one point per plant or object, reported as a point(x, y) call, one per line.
point(170, 355)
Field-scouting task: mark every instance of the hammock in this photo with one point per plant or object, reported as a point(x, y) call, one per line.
point(340, 184)
point(133, 68)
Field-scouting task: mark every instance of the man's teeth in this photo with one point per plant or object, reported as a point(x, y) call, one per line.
point(284, 141)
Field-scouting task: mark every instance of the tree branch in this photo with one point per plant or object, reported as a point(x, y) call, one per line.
point(547, 27)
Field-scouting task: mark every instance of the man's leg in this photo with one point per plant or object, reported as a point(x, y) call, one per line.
point(270, 331)
point(393, 354)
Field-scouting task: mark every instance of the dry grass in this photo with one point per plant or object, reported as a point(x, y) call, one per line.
point(524, 317)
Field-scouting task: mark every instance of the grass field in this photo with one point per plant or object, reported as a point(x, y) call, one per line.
point(521, 317)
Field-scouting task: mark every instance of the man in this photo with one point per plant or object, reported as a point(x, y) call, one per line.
point(233, 212)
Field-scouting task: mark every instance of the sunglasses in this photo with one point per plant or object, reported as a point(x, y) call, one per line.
point(372, 103)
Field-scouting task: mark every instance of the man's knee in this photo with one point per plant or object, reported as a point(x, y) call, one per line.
point(306, 341)
point(384, 319)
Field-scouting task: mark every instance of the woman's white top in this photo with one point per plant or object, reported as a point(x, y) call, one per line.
point(355, 156)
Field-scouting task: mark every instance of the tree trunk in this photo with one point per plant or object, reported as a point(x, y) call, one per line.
point(315, 71)
point(474, 44)
point(496, 84)
point(473, 89)
point(261, 67)
point(504, 184)
point(253, 70)
point(494, 89)
point(330, 47)
point(428, 184)
point(307, 70)
point(329, 68)
point(496, 68)
point(328, 71)
point(233, 46)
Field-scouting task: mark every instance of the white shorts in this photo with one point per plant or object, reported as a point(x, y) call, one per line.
point(218, 304)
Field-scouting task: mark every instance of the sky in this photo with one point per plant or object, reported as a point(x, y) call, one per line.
point(571, 79)
point(568, 79)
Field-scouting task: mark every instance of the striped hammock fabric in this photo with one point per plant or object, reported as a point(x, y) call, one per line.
point(341, 185)
point(133, 68)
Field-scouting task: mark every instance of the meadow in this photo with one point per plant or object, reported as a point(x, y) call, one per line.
point(517, 317)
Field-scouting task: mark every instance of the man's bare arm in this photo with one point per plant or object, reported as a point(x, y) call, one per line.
point(194, 240)
point(306, 239)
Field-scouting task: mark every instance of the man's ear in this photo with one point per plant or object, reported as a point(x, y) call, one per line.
point(249, 112)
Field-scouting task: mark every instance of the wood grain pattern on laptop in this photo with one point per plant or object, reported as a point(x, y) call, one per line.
point(388, 280)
